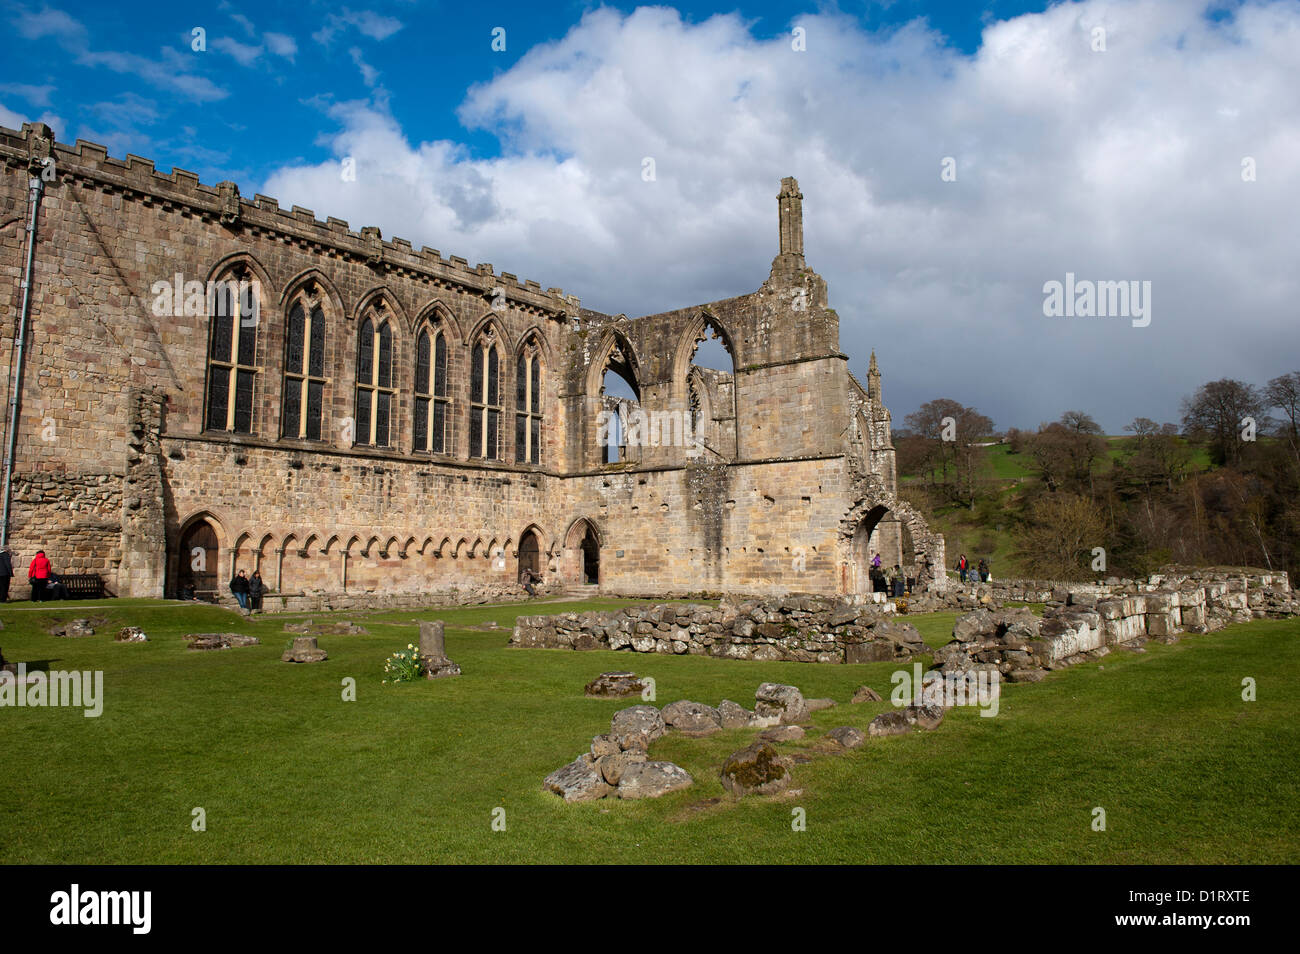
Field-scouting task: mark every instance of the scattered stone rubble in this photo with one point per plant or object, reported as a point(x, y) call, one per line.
point(311, 628)
point(801, 629)
point(131, 634)
point(74, 629)
point(220, 640)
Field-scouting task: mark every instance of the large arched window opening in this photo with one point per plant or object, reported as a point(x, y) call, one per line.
point(528, 404)
point(432, 405)
point(232, 353)
point(304, 370)
point(375, 393)
point(711, 393)
point(485, 399)
point(619, 397)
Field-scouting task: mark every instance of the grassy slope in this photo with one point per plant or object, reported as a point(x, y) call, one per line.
point(287, 772)
point(969, 533)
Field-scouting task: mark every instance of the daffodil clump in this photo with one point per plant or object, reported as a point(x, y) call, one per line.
point(403, 665)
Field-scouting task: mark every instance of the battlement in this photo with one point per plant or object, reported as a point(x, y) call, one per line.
point(138, 177)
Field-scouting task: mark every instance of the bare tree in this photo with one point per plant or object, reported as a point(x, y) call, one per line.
point(1080, 422)
point(1218, 413)
point(1062, 531)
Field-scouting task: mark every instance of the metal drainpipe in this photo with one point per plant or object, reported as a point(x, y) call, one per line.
point(36, 186)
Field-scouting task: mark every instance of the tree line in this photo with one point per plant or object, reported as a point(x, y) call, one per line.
point(1220, 486)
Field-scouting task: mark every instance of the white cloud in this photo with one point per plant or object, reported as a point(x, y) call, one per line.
point(368, 23)
point(281, 44)
point(170, 70)
point(1116, 165)
point(245, 54)
point(369, 75)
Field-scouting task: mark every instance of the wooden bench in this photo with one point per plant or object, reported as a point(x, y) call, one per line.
point(84, 586)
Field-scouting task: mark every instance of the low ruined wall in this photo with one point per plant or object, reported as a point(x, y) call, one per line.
point(800, 629)
point(1260, 592)
point(1079, 619)
point(468, 595)
point(1022, 647)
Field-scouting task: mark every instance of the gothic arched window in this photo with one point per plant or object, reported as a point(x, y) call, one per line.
point(304, 371)
point(375, 391)
point(432, 406)
point(485, 399)
point(232, 354)
point(528, 405)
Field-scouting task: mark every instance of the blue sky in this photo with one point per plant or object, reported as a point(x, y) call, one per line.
point(1114, 162)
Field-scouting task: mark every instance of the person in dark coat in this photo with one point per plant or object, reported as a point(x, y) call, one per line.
point(37, 575)
point(56, 589)
point(255, 590)
point(239, 586)
point(529, 579)
point(6, 573)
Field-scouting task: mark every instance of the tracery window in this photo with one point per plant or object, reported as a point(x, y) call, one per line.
point(375, 392)
point(304, 370)
point(432, 405)
point(528, 405)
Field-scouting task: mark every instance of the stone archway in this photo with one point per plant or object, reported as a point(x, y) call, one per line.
point(881, 523)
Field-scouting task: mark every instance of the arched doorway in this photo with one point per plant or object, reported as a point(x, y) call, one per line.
point(198, 557)
point(580, 561)
point(590, 558)
point(530, 554)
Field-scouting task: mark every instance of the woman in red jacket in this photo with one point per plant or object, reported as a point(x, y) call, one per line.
point(37, 574)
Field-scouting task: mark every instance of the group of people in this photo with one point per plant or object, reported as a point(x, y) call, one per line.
point(891, 580)
point(248, 590)
point(981, 573)
point(45, 583)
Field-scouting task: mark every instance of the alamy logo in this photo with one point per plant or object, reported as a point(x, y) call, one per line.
point(53, 689)
point(195, 299)
point(134, 908)
point(635, 428)
point(1089, 299)
point(979, 687)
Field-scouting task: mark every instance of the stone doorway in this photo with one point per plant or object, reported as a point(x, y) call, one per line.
point(198, 563)
point(580, 561)
point(530, 554)
point(590, 558)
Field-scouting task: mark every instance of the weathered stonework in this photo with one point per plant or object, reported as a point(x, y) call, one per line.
point(128, 466)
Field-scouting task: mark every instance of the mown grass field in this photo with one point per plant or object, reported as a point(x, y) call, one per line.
point(286, 771)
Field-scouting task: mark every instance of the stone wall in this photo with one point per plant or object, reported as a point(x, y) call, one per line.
point(797, 629)
point(1262, 592)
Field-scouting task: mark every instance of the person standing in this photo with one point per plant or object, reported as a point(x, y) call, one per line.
point(6, 573)
point(38, 574)
point(255, 590)
point(239, 586)
point(961, 567)
point(984, 571)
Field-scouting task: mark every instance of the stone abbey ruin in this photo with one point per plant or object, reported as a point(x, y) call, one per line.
point(208, 384)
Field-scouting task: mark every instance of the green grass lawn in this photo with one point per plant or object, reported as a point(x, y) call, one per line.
point(288, 772)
